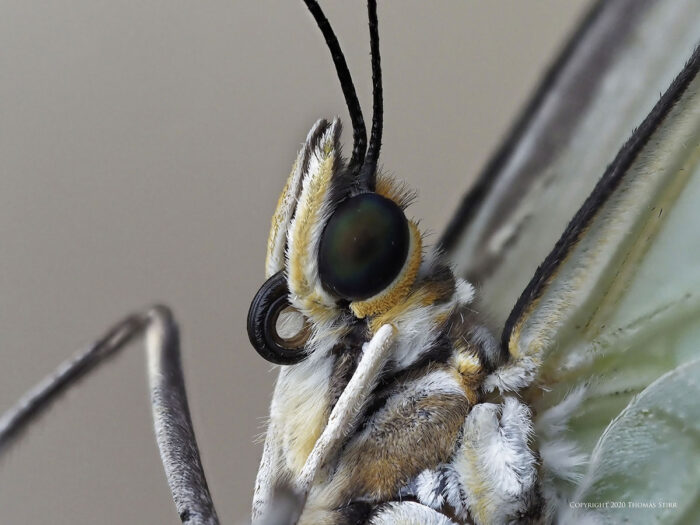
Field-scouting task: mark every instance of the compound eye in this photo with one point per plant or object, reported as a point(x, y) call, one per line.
point(363, 247)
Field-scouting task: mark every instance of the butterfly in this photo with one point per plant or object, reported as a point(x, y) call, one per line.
point(559, 420)
point(445, 425)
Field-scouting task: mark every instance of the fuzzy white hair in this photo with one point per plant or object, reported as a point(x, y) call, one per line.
point(496, 467)
point(561, 457)
point(409, 513)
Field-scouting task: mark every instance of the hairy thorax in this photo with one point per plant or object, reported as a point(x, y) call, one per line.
point(412, 422)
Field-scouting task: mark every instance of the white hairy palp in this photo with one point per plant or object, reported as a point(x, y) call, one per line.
point(351, 400)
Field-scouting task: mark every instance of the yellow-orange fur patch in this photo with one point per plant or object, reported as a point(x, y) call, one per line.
point(395, 190)
point(400, 288)
point(307, 216)
point(279, 217)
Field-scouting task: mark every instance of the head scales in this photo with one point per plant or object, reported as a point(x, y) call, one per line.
point(364, 167)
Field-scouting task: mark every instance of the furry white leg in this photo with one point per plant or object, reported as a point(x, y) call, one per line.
point(264, 486)
point(409, 513)
point(349, 404)
point(375, 353)
point(173, 425)
point(496, 468)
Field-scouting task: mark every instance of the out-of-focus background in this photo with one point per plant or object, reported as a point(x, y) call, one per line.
point(143, 146)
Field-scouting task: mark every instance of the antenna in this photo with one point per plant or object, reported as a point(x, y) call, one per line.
point(368, 173)
point(358, 123)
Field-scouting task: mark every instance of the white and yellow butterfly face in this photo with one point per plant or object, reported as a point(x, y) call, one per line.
point(337, 244)
point(337, 253)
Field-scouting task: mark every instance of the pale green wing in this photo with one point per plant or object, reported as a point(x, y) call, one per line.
point(607, 79)
point(653, 441)
point(612, 313)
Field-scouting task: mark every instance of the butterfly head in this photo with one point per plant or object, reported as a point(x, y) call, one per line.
point(340, 250)
point(340, 247)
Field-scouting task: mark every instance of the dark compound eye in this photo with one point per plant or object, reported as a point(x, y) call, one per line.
point(363, 246)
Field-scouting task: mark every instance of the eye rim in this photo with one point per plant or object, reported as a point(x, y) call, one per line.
point(395, 211)
point(400, 287)
point(270, 300)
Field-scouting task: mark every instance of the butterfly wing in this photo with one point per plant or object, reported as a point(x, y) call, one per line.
point(647, 459)
point(612, 318)
point(606, 332)
point(604, 83)
point(613, 315)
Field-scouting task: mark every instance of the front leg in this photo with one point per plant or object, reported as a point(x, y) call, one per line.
point(412, 425)
point(274, 482)
point(495, 466)
point(408, 513)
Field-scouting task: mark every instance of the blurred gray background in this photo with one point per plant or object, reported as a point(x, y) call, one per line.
point(143, 146)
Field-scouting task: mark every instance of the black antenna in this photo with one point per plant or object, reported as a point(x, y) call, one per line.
point(359, 132)
point(368, 173)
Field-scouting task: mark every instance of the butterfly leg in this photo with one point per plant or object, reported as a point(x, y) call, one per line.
point(414, 428)
point(496, 468)
point(342, 420)
point(171, 416)
point(408, 513)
